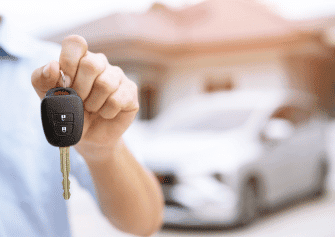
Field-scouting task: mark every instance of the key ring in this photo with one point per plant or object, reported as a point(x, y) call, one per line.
point(63, 77)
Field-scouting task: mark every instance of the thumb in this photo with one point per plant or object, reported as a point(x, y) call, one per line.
point(45, 78)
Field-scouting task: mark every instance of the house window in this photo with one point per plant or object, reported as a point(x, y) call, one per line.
point(147, 101)
point(216, 84)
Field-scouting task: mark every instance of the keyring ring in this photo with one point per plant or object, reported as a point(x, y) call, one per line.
point(63, 77)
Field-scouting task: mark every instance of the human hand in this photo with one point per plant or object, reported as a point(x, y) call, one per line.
point(110, 98)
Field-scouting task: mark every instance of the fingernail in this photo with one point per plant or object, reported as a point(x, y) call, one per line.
point(46, 71)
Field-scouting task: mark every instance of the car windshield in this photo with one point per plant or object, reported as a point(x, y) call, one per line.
point(216, 121)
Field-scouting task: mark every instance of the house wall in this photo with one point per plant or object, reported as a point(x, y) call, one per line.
point(315, 75)
point(189, 76)
point(305, 66)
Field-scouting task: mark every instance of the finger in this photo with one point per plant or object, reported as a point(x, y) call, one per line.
point(103, 129)
point(124, 99)
point(104, 85)
point(45, 78)
point(100, 132)
point(74, 47)
point(90, 67)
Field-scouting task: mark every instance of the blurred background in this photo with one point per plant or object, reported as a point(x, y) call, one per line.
point(237, 107)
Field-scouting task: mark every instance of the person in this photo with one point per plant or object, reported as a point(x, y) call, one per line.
point(31, 197)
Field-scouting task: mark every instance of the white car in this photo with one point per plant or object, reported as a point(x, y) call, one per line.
point(221, 158)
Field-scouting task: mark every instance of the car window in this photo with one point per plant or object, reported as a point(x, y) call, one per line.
point(216, 121)
point(293, 114)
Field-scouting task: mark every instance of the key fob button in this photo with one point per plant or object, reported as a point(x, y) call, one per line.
point(63, 129)
point(66, 117)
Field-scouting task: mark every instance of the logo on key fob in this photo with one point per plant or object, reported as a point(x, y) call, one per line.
point(62, 113)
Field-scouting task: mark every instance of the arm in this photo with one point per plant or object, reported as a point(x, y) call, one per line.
point(129, 195)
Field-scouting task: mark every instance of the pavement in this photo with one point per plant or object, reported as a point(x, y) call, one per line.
point(308, 218)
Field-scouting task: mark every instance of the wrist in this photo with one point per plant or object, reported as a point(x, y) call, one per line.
point(93, 153)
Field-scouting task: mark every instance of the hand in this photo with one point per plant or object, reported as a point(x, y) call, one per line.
point(110, 98)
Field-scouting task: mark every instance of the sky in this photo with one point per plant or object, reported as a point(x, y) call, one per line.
point(42, 17)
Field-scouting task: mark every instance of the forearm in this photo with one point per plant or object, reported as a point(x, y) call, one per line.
point(129, 196)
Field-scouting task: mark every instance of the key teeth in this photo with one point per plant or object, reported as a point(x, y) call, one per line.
point(68, 184)
point(69, 195)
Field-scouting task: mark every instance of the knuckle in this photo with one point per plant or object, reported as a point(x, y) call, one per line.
point(68, 63)
point(89, 106)
point(107, 82)
point(133, 87)
point(114, 102)
point(109, 112)
point(135, 106)
point(133, 91)
point(118, 72)
point(127, 96)
point(92, 64)
point(35, 83)
point(76, 39)
point(102, 57)
point(106, 115)
point(109, 78)
point(102, 83)
point(34, 79)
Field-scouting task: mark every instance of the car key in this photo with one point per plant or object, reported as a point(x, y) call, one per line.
point(62, 113)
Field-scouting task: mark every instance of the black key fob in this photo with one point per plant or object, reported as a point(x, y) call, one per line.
point(62, 113)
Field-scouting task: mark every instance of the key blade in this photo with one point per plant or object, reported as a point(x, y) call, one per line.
point(61, 151)
point(65, 168)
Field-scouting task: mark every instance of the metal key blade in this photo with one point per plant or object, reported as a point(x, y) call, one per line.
point(65, 168)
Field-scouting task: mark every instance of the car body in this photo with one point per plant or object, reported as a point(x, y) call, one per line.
point(223, 157)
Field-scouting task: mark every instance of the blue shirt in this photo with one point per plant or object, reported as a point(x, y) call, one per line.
point(31, 200)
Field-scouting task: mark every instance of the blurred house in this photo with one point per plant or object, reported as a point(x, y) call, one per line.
point(216, 45)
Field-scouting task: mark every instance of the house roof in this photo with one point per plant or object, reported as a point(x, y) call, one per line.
point(317, 24)
point(207, 22)
point(323, 26)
